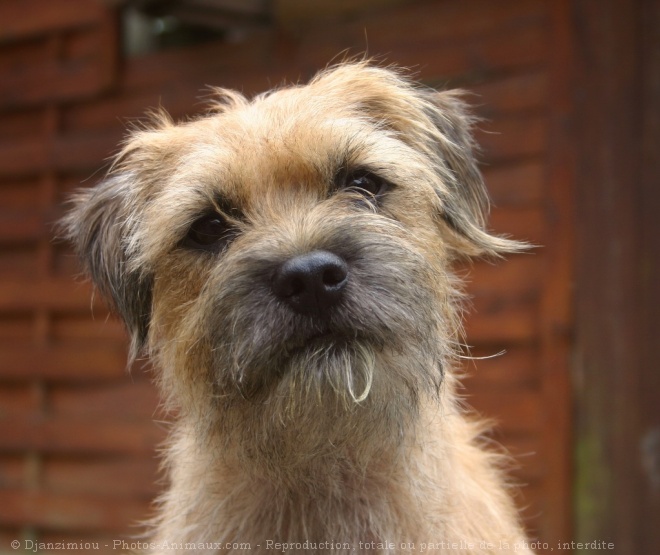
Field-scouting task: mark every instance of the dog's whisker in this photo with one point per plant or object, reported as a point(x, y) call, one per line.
point(485, 357)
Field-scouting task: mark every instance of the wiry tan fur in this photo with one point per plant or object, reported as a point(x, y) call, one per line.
point(342, 427)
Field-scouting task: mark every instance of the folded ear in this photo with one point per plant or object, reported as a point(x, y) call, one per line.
point(104, 220)
point(438, 125)
point(464, 195)
point(99, 225)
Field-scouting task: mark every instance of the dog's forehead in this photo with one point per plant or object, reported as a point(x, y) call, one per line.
point(288, 139)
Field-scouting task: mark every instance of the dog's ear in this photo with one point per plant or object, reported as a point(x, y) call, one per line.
point(99, 225)
point(438, 126)
point(464, 197)
point(104, 224)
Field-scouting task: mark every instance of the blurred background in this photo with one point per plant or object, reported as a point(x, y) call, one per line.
point(568, 92)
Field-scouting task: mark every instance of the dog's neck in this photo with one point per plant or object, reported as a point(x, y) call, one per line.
point(308, 450)
point(282, 496)
point(223, 492)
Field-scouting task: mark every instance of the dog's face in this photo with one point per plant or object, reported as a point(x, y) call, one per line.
point(293, 249)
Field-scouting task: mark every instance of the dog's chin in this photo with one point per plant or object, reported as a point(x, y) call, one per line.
point(324, 363)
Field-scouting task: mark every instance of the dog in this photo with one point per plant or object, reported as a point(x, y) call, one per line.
point(286, 262)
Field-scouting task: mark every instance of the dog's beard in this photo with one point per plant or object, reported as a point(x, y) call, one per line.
point(341, 366)
point(332, 400)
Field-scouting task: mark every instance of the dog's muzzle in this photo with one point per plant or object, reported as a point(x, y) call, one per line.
point(311, 283)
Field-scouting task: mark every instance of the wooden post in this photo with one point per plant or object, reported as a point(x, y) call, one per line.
point(617, 273)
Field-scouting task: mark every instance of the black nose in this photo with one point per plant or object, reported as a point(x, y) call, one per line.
point(312, 282)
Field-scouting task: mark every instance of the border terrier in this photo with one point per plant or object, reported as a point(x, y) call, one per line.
point(286, 262)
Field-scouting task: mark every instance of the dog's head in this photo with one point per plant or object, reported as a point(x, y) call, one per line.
point(296, 244)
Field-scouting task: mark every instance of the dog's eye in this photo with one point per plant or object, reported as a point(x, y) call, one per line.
point(208, 233)
point(366, 183)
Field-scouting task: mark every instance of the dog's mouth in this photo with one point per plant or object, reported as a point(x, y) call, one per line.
point(317, 340)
